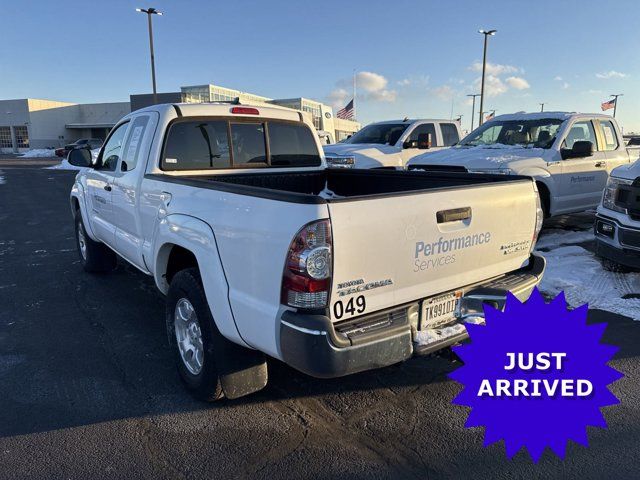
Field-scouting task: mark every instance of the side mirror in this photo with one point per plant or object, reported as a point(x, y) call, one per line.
point(581, 149)
point(80, 157)
point(424, 141)
point(410, 144)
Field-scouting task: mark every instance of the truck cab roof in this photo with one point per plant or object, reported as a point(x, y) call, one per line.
point(545, 115)
point(223, 109)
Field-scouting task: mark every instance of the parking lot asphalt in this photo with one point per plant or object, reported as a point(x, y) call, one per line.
point(89, 388)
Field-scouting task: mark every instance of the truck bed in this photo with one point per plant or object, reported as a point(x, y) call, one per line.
point(305, 187)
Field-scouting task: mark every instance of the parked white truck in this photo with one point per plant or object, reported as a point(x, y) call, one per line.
point(570, 155)
point(263, 251)
point(391, 144)
point(617, 224)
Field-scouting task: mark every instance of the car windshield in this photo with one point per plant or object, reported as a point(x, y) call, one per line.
point(381, 133)
point(540, 133)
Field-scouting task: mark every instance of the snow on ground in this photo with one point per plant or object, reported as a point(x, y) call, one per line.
point(580, 274)
point(39, 153)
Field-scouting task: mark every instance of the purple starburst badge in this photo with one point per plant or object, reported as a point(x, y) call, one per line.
point(535, 375)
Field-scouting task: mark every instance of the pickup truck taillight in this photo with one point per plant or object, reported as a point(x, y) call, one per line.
point(306, 280)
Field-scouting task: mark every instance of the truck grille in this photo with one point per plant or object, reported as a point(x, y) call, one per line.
point(629, 238)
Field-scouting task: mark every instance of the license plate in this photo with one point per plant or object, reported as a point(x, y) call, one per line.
point(439, 310)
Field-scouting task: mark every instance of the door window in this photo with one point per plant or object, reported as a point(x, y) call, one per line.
point(449, 134)
point(133, 143)
point(112, 150)
point(609, 135)
point(581, 131)
point(421, 129)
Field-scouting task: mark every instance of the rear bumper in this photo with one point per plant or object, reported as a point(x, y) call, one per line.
point(320, 348)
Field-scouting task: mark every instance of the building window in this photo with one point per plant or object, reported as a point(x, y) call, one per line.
point(342, 135)
point(315, 114)
point(5, 137)
point(22, 136)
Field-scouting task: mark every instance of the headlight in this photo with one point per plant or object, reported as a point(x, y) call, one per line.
point(341, 162)
point(498, 171)
point(610, 194)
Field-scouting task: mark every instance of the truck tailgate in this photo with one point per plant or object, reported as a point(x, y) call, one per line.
point(397, 249)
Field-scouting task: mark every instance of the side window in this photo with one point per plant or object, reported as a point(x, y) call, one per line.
point(424, 128)
point(490, 135)
point(292, 146)
point(133, 143)
point(449, 134)
point(609, 135)
point(197, 146)
point(581, 131)
point(112, 149)
point(248, 143)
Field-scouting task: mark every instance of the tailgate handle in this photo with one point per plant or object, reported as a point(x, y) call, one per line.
point(454, 215)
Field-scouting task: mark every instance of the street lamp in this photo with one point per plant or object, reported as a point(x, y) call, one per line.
point(149, 12)
point(541, 107)
point(473, 107)
point(486, 34)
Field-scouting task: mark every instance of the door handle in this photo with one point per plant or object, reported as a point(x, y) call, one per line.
point(600, 164)
point(453, 215)
point(107, 188)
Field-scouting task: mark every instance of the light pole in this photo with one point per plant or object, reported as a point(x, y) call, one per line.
point(615, 102)
point(473, 107)
point(541, 107)
point(486, 34)
point(149, 12)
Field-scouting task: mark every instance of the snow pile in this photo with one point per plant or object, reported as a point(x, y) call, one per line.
point(557, 237)
point(39, 153)
point(580, 274)
point(328, 194)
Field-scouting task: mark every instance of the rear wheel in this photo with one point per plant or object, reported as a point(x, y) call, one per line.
point(95, 257)
point(193, 335)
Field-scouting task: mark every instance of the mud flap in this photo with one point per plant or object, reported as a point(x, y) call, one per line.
point(242, 371)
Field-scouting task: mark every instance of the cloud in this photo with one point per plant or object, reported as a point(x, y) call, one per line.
point(414, 80)
point(494, 68)
point(558, 78)
point(518, 83)
point(493, 86)
point(594, 92)
point(371, 86)
point(444, 92)
point(338, 97)
point(611, 74)
point(565, 85)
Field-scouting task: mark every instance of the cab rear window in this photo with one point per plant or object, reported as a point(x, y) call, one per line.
point(219, 144)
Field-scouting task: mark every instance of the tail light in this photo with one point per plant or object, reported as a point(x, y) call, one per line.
point(306, 280)
point(539, 217)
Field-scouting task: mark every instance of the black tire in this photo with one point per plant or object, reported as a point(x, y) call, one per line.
point(611, 266)
point(205, 385)
point(544, 201)
point(95, 257)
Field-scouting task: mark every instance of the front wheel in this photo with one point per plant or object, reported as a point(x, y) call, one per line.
point(192, 336)
point(95, 257)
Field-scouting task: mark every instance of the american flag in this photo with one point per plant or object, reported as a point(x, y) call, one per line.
point(347, 112)
point(608, 105)
point(490, 116)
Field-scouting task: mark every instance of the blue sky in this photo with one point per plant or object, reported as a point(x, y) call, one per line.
point(414, 58)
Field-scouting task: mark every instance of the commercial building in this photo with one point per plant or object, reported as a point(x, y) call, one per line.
point(30, 123)
point(321, 115)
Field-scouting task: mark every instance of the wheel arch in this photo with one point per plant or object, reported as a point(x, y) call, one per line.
point(183, 241)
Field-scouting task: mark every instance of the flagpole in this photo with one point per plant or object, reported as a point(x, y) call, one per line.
point(354, 95)
point(615, 102)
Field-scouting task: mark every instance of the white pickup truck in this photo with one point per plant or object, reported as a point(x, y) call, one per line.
point(570, 155)
point(263, 251)
point(617, 224)
point(391, 144)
